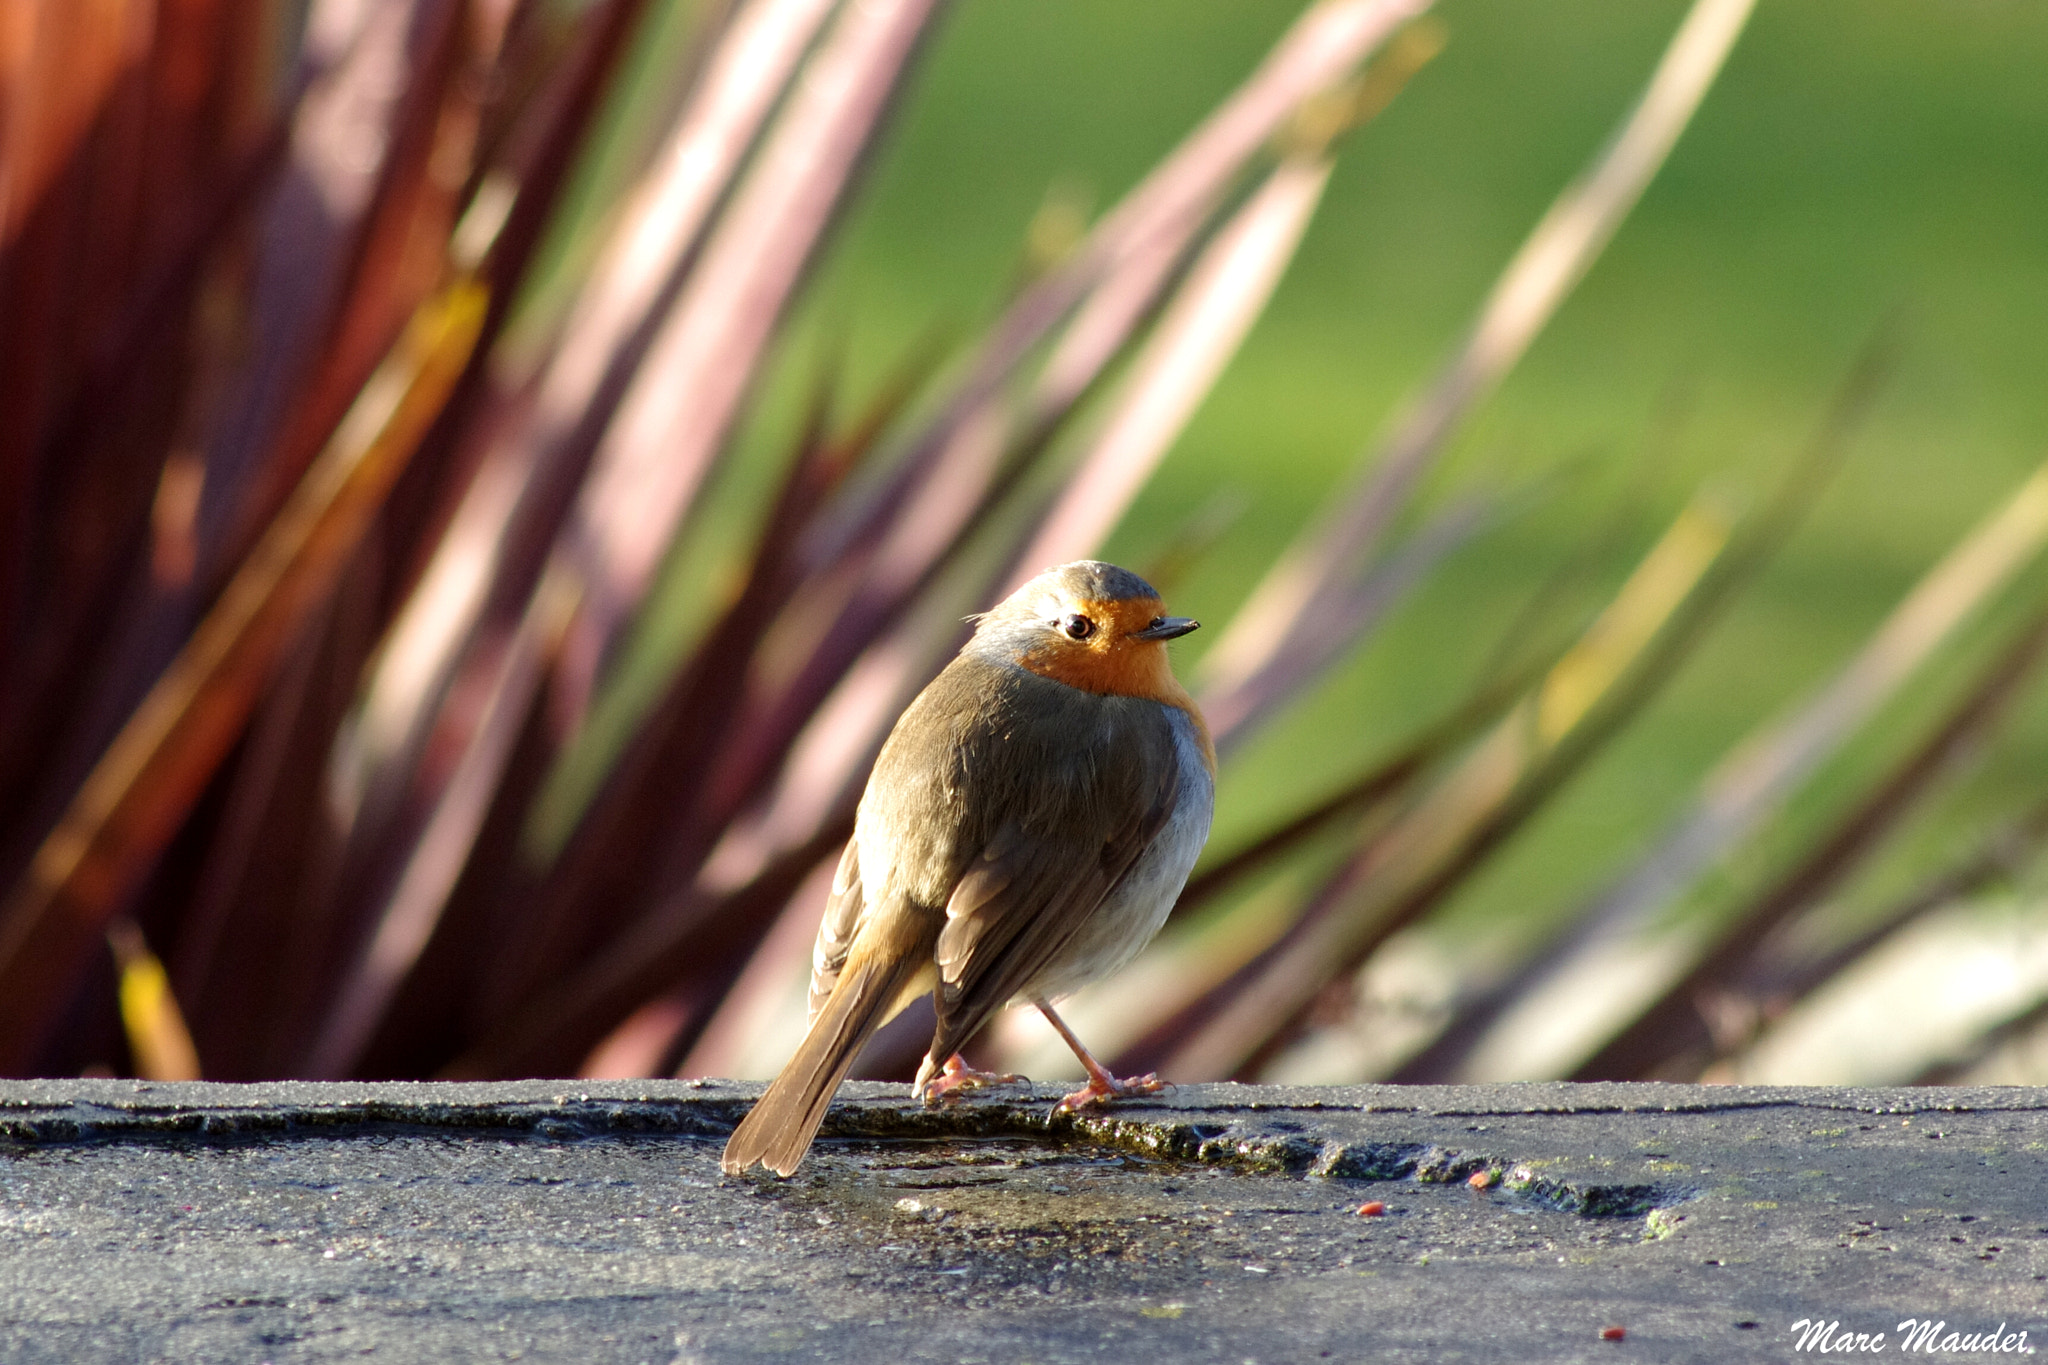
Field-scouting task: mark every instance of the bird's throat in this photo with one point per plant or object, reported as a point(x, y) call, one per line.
point(1132, 670)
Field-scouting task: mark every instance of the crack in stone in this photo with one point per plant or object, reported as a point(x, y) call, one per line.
point(1276, 1147)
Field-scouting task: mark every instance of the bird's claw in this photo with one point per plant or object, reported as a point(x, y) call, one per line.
point(957, 1077)
point(1104, 1088)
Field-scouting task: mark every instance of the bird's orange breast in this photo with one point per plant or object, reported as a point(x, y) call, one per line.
point(1112, 665)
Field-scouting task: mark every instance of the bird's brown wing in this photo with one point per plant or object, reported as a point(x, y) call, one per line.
point(1032, 888)
point(844, 913)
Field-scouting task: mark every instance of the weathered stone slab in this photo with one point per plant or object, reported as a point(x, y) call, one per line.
point(578, 1221)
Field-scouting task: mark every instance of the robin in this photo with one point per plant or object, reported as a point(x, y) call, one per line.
point(1029, 823)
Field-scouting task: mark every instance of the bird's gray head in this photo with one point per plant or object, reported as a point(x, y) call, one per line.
point(1082, 620)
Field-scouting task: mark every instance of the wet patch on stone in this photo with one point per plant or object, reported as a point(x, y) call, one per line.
point(993, 1219)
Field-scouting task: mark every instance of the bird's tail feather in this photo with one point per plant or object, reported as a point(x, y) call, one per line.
point(879, 979)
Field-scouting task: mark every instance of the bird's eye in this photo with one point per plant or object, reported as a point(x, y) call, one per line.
point(1078, 627)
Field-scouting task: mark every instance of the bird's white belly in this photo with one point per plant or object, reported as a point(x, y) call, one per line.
point(1134, 911)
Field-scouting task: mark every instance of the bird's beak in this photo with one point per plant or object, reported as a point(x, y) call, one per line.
point(1167, 628)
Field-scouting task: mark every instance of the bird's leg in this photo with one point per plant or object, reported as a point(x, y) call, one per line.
point(957, 1076)
point(1102, 1087)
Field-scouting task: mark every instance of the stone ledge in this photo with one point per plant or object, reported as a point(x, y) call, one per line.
point(588, 1221)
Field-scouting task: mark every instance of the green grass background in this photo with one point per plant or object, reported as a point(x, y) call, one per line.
point(1859, 160)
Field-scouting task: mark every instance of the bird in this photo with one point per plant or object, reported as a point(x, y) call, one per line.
point(1027, 827)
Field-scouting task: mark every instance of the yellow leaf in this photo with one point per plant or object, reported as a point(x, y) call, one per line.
point(157, 1036)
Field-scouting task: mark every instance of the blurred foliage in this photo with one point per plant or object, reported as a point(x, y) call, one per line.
point(477, 478)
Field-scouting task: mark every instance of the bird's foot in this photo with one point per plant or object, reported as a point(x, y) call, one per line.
point(1103, 1087)
point(957, 1077)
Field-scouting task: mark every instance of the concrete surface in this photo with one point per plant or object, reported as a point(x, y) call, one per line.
point(579, 1221)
